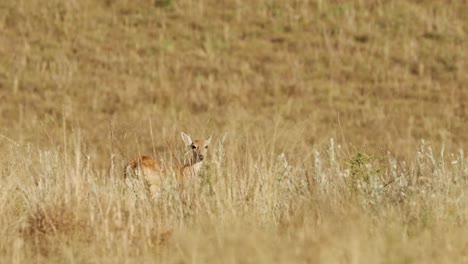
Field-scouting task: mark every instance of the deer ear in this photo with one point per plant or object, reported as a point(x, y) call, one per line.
point(209, 139)
point(186, 138)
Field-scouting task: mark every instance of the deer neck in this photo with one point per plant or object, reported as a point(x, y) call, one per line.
point(191, 170)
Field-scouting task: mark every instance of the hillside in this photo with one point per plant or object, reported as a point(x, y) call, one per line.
point(345, 95)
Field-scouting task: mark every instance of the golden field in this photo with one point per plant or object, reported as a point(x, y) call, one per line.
point(339, 130)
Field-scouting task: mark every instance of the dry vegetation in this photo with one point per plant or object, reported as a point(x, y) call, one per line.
point(319, 111)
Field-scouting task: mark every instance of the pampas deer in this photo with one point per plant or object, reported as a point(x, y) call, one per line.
point(154, 174)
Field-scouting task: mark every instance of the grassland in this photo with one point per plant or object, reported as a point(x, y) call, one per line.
point(339, 129)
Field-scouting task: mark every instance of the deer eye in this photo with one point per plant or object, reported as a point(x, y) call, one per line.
point(194, 147)
point(206, 146)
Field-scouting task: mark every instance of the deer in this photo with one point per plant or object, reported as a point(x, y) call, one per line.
point(155, 174)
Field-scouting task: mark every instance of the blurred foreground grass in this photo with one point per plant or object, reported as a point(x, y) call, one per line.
point(86, 85)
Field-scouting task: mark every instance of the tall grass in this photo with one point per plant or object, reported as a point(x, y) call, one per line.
point(327, 208)
point(318, 110)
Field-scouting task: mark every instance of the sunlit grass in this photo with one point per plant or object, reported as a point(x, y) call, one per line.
point(339, 130)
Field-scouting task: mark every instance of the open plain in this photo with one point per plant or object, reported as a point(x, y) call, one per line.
point(339, 130)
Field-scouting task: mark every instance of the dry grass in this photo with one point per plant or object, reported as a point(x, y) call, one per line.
point(319, 109)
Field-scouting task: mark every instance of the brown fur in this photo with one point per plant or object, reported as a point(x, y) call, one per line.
point(154, 174)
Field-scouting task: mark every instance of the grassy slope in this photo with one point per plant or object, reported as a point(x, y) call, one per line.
point(277, 77)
